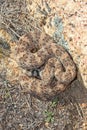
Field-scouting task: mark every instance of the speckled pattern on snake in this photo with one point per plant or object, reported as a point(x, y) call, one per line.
point(49, 67)
point(42, 67)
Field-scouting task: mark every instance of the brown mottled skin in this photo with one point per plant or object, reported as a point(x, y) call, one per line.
point(42, 67)
point(54, 67)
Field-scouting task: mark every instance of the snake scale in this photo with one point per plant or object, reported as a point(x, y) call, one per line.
point(49, 69)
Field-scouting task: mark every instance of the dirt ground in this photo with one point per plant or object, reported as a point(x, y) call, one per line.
point(20, 111)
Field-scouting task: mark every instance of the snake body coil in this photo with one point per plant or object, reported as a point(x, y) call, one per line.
point(49, 67)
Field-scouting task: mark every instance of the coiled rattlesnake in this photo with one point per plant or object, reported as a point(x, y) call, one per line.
point(41, 66)
point(49, 67)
